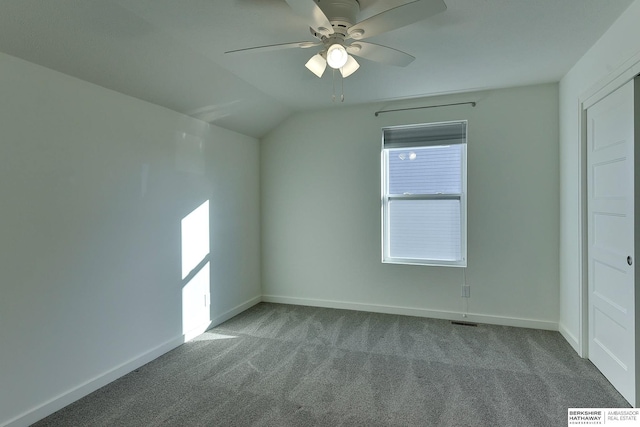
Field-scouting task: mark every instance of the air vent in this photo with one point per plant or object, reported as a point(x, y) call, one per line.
point(455, 322)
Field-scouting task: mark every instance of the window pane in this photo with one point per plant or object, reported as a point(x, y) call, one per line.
point(425, 229)
point(428, 170)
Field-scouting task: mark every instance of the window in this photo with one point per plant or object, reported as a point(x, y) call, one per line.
point(424, 194)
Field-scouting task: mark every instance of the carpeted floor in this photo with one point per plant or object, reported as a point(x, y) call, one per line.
point(284, 365)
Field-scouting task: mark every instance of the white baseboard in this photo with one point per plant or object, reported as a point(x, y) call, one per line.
point(418, 312)
point(571, 338)
point(235, 311)
point(64, 399)
point(200, 329)
point(68, 397)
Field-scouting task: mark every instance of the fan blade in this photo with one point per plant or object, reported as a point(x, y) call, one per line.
point(397, 17)
point(309, 10)
point(350, 67)
point(317, 64)
point(267, 48)
point(379, 53)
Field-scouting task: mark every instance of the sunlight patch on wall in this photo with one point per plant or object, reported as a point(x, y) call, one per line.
point(195, 304)
point(196, 288)
point(195, 238)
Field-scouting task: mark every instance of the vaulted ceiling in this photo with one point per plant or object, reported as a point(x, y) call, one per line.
point(171, 52)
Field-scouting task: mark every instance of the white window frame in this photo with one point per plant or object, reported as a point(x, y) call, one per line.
point(386, 198)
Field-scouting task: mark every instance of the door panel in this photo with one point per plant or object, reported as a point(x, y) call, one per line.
point(610, 184)
point(607, 178)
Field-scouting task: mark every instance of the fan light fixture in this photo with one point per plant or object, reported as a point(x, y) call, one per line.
point(333, 23)
point(337, 56)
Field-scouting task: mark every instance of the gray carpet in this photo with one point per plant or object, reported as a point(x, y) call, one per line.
point(283, 365)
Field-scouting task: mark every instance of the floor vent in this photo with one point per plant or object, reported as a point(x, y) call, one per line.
point(455, 322)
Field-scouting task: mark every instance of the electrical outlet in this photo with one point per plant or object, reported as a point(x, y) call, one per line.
point(466, 291)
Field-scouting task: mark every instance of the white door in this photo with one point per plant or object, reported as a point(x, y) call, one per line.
point(610, 184)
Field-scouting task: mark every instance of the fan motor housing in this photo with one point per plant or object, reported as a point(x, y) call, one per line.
point(341, 13)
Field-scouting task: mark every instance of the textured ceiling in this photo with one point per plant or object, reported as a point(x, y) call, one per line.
point(171, 52)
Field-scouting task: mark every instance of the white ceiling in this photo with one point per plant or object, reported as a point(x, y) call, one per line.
point(171, 52)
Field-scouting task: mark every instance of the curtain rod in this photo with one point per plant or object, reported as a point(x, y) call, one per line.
point(377, 113)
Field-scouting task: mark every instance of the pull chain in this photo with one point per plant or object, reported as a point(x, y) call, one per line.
point(333, 95)
point(333, 78)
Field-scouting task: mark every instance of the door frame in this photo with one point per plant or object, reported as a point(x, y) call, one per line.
point(616, 79)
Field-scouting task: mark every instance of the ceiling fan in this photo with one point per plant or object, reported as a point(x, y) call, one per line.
point(339, 35)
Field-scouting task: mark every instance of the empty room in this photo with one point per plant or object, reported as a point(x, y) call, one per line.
point(319, 212)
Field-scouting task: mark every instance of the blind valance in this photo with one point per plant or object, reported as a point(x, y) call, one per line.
point(447, 133)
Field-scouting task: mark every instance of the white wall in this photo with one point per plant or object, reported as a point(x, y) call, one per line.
point(320, 189)
point(614, 50)
point(93, 188)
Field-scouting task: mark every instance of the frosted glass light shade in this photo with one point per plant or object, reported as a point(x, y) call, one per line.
point(317, 64)
point(350, 67)
point(337, 56)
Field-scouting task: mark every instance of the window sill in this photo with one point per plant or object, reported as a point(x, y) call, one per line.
point(425, 263)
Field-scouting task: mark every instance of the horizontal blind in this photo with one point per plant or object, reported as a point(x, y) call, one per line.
point(425, 229)
point(448, 133)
